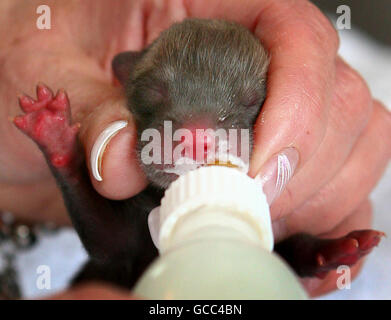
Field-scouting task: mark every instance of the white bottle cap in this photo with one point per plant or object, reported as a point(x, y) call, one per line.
point(216, 186)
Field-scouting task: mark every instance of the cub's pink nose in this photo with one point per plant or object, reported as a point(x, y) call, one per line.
point(197, 143)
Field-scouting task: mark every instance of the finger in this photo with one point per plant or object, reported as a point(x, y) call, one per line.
point(359, 219)
point(351, 185)
point(121, 174)
point(300, 80)
point(350, 111)
point(161, 14)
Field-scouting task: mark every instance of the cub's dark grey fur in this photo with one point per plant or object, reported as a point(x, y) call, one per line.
point(196, 69)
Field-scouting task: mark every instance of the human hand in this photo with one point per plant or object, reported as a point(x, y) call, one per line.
point(319, 115)
point(63, 57)
point(315, 104)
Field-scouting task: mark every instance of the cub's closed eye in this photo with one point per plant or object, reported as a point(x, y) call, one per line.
point(256, 102)
point(252, 99)
point(252, 104)
point(157, 92)
point(151, 94)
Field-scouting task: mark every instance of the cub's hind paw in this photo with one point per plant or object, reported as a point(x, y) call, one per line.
point(47, 122)
point(346, 250)
point(311, 256)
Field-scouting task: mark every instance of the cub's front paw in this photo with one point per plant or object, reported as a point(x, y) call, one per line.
point(47, 122)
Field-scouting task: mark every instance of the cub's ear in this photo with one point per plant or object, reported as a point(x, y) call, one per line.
point(123, 63)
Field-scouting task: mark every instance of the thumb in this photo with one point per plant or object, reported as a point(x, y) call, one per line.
point(121, 175)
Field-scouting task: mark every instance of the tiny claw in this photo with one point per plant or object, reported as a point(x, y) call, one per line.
point(348, 246)
point(75, 127)
point(367, 239)
point(26, 102)
point(320, 260)
point(20, 122)
point(43, 92)
point(60, 101)
point(355, 243)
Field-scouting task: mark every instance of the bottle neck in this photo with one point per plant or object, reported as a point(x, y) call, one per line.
point(214, 202)
point(212, 223)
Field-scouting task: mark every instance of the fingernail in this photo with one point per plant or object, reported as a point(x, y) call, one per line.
point(277, 172)
point(100, 145)
point(154, 225)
